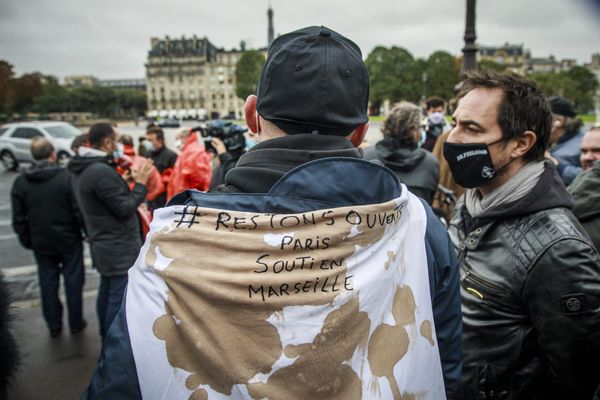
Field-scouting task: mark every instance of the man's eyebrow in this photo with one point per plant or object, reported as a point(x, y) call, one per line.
point(468, 122)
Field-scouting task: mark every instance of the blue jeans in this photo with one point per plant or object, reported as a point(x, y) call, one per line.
point(49, 270)
point(110, 296)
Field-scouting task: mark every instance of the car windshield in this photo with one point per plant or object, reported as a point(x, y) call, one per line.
point(63, 131)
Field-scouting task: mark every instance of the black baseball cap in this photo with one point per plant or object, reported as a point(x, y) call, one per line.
point(314, 81)
point(562, 106)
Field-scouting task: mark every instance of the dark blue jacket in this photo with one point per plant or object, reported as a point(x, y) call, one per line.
point(334, 182)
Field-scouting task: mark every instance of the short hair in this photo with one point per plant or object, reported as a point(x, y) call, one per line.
point(523, 107)
point(155, 130)
point(98, 132)
point(434, 101)
point(127, 140)
point(80, 140)
point(402, 123)
point(41, 148)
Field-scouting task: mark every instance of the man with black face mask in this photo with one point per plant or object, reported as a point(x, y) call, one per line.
point(530, 277)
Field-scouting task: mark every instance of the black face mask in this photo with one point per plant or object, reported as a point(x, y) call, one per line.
point(470, 163)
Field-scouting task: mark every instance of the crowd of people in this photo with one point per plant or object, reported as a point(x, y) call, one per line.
point(478, 276)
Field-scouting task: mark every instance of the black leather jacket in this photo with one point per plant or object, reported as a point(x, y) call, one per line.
point(530, 288)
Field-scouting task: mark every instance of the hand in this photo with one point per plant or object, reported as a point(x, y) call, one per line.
point(126, 175)
point(219, 146)
point(142, 172)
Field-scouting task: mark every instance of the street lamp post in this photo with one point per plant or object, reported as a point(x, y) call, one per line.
point(470, 50)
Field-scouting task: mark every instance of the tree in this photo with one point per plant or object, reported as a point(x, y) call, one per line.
point(394, 75)
point(489, 65)
point(585, 83)
point(442, 75)
point(6, 89)
point(577, 84)
point(247, 73)
point(26, 88)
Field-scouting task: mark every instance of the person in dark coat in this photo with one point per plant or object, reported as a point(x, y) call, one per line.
point(45, 218)
point(400, 151)
point(163, 158)
point(585, 190)
point(109, 210)
point(565, 139)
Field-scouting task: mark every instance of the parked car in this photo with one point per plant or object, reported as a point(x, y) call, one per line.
point(168, 123)
point(15, 141)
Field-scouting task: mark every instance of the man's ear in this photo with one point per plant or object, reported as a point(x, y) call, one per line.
point(358, 135)
point(524, 144)
point(250, 114)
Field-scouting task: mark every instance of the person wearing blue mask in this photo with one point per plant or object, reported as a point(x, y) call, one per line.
point(109, 212)
point(530, 276)
point(400, 150)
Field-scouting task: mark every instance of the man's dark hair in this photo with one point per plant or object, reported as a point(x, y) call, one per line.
point(160, 135)
point(79, 141)
point(126, 139)
point(98, 132)
point(523, 108)
point(41, 149)
point(433, 102)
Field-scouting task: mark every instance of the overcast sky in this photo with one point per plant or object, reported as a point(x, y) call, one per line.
point(110, 38)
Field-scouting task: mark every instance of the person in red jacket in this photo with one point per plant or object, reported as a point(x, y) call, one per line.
point(192, 169)
point(155, 185)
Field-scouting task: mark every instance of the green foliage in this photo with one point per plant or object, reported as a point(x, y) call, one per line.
point(6, 90)
point(396, 75)
point(393, 75)
point(489, 65)
point(442, 75)
point(42, 94)
point(247, 73)
point(577, 84)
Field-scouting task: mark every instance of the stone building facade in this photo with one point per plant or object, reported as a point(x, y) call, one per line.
point(191, 77)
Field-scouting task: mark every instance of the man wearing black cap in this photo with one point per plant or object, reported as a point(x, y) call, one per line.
point(320, 341)
point(565, 138)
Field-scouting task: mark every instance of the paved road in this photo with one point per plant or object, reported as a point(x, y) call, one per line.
point(54, 368)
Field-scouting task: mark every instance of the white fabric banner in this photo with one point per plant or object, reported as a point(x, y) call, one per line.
point(327, 304)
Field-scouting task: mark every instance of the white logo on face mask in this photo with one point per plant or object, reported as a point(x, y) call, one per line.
point(487, 172)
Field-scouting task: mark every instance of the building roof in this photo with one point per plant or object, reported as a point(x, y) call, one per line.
point(509, 49)
point(182, 47)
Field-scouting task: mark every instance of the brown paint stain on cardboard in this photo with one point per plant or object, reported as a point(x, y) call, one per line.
point(214, 328)
point(426, 331)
